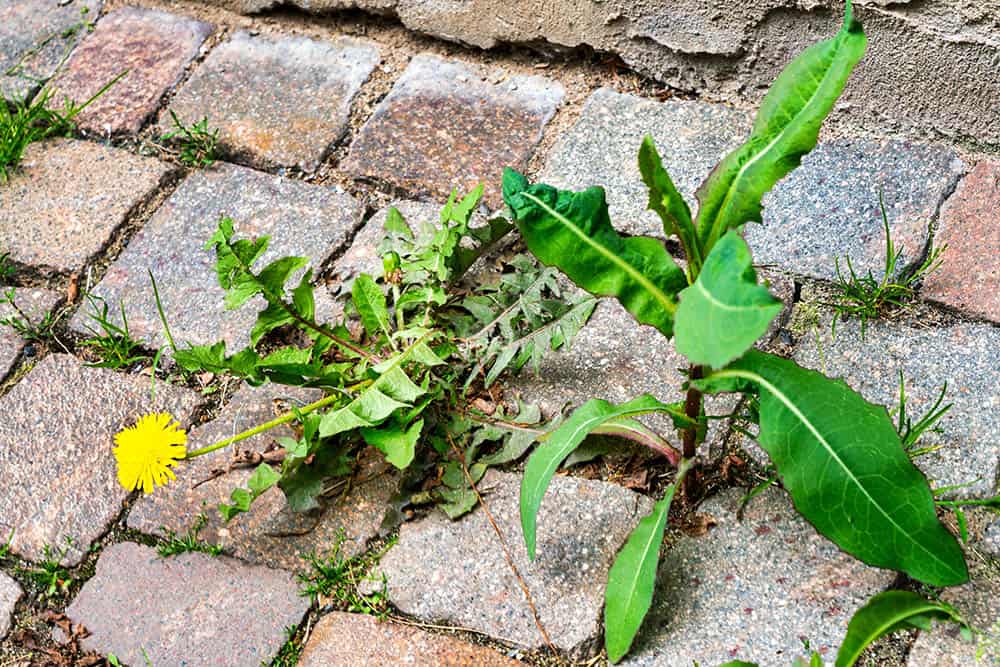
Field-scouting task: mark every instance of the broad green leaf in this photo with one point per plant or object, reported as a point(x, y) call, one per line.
point(370, 302)
point(572, 231)
point(630, 429)
point(886, 613)
point(725, 311)
point(632, 577)
point(558, 444)
point(786, 128)
point(841, 460)
point(668, 203)
point(397, 442)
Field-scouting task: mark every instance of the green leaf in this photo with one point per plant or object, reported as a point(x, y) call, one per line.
point(632, 577)
point(572, 231)
point(668, 203)
point(370, 302)
point(397, 442)
point(725, 311)
point(545, 460)
point(883, 614)
point(841, 460)
point(786, 128)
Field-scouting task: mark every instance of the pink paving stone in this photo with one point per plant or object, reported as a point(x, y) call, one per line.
point(193, 609)
point(155, 47)
point(281, 101)
point(969, 278)
point(68, 197)
point(34, 304)
point(270, 533)
point(446, 125)
point(10, 593)
point(302, 219)
point(56, 438)
point(353, 640)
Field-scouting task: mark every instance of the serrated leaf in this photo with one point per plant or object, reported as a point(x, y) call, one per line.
point(572, 231)
point(667, 202)
point(632, 578)
point(558, 444)
point(397, 442)
point(842, 461)
point(370, 303)
point(883, 614)
point(395, 224)
point(786, 128)
point(725, 311)
point(262, 479)
point(269, 319)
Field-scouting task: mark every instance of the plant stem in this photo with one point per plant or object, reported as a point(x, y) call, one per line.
point(266, 426)
point(692, 409)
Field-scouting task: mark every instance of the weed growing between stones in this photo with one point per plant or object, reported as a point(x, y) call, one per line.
point(23, 324)
point(197, 145)
point(866, 297)
point(49, 575)
point(174, 544)
point(840, 458)
point(335, 580)
point(112, 344)
point(22, 124)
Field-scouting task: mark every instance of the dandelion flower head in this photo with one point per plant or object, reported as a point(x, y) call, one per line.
point(146, 451)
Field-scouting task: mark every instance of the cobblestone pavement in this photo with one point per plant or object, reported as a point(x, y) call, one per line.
point(323, 123)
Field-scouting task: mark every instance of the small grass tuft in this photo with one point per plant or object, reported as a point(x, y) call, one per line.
point(335, 579)
point(290, 651)
point(865, 297)
point(20, 322)
point(175, 544)
point(49, 575)
point(197, 144)
point(111, 343)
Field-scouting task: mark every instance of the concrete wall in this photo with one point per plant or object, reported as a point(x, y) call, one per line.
point(933, 66)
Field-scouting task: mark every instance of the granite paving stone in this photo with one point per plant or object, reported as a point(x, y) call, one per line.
point(302, 219)
point(455, 571)
point(828, 208)
point(191, 609)
point(281, 101)
point(963, 355)
point(57, 210)
point(56, 438)
point(10, 593)
point(969, 277)
point(154, 46)
point(348, 640)
point(35, 304)
point(602, 149)
point(270, 533)
point(752, 590)
point(979, 603)
point(448, 124)
point(35, 36)
point(991, 538)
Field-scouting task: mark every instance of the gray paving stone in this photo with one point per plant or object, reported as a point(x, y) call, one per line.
point(34, 304)
point(58, 210)
point(446, 125)
point(828, 208)
point(347, 640)
point(455, 572)
point(10, 593)
point(969, 277)
point(979, 603)
point(35, 36)
point(192, 609)
point(991, 538)
point(279, 101)
point(56, 438)
point(752, 590)
point(963, 355)
point(602, 149)
point(302, 219)
point(270, 533)
point(154, 46)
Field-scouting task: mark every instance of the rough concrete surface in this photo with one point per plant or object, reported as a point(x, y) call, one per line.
point(930, 67)
point(752, 590)
point(191, 609)
point(56, 436)
point(276, 100)
point(454, 571)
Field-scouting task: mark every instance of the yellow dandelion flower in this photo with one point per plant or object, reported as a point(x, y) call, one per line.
point(146, 451)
